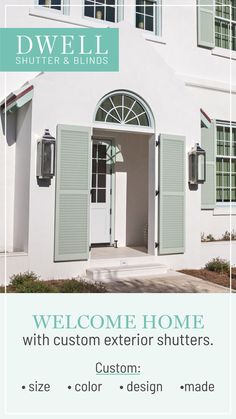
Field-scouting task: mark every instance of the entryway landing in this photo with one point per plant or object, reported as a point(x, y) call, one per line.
point(109, 263)
point(119, 252)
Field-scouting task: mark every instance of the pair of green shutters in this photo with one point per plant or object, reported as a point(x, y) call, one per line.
point(72, 205)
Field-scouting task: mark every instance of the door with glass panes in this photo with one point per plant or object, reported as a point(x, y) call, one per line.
point(101, 192)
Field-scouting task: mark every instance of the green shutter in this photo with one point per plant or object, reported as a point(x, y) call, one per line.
point(172, 158)
point(72, 193)
point(206, 23)
point(120, 10)
point(208, 189)
point(66, 7)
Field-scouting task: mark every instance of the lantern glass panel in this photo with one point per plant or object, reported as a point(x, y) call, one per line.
point(48, 169)
point(201, 167)
point(192, 168)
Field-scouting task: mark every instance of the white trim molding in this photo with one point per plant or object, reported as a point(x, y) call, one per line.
point(224, 53)
point(216, 85)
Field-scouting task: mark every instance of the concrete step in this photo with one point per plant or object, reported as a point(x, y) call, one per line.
point(111, 273)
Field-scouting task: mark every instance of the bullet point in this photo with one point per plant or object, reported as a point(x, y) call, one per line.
point(23, 387)
point(182, 387)
point(69, 387)
point(121, 387)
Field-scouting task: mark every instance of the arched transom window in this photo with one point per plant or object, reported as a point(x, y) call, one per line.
point(123, 108)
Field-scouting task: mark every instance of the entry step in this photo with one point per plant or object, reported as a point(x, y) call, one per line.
point(111, 273)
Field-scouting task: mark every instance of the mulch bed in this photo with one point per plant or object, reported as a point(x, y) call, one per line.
point(215, 277)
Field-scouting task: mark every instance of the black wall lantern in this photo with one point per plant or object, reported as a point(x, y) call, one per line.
point(197, 165)
point(46, 156)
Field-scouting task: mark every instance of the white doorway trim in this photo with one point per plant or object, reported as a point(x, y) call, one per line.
point(110, 140)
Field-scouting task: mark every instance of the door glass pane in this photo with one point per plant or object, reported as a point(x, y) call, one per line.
point(93, 181)
point(101, 181)
point(101, 151)
point(94, 165)
point(94, 150)
point(101, 195)
point(101, 166)
point(93, 195)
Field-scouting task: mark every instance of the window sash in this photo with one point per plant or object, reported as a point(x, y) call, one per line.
point(101, 8)
point(225, 163)
point(154, 19)
point(65, 6)
point(225, 28)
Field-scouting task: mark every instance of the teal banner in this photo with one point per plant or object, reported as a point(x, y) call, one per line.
point(60, 49)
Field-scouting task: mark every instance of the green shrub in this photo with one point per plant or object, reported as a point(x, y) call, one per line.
point(23, 278)
point(36, 287)
point(210, 238)
point(218, 265)
point(2, 289)
point(226, 236)
point(233, 235)
point(80, 286)
point(28, 282)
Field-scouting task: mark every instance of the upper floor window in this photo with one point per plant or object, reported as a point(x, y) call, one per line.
point(148, 15)
point(101, 9)
point(225, 25)
point(225, 163)
point(52, 4)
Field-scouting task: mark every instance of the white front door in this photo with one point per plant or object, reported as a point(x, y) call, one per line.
point(101, 192)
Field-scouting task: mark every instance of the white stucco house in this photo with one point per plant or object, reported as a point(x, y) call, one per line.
point(122, 142)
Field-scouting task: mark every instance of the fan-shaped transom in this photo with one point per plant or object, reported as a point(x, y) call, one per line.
point(122, 108)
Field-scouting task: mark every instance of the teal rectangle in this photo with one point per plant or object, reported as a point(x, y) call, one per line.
point(59, 49)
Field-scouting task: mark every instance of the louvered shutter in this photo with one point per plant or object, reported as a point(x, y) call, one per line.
point(208, 189)
point(72, 193)
point(206, 23)
point(172, 194)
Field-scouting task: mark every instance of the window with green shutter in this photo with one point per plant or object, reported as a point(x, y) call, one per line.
point(225, 163)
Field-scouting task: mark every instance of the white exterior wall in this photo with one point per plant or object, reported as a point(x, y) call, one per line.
point(175, 77)
point(22, 179)
point(7, 183)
